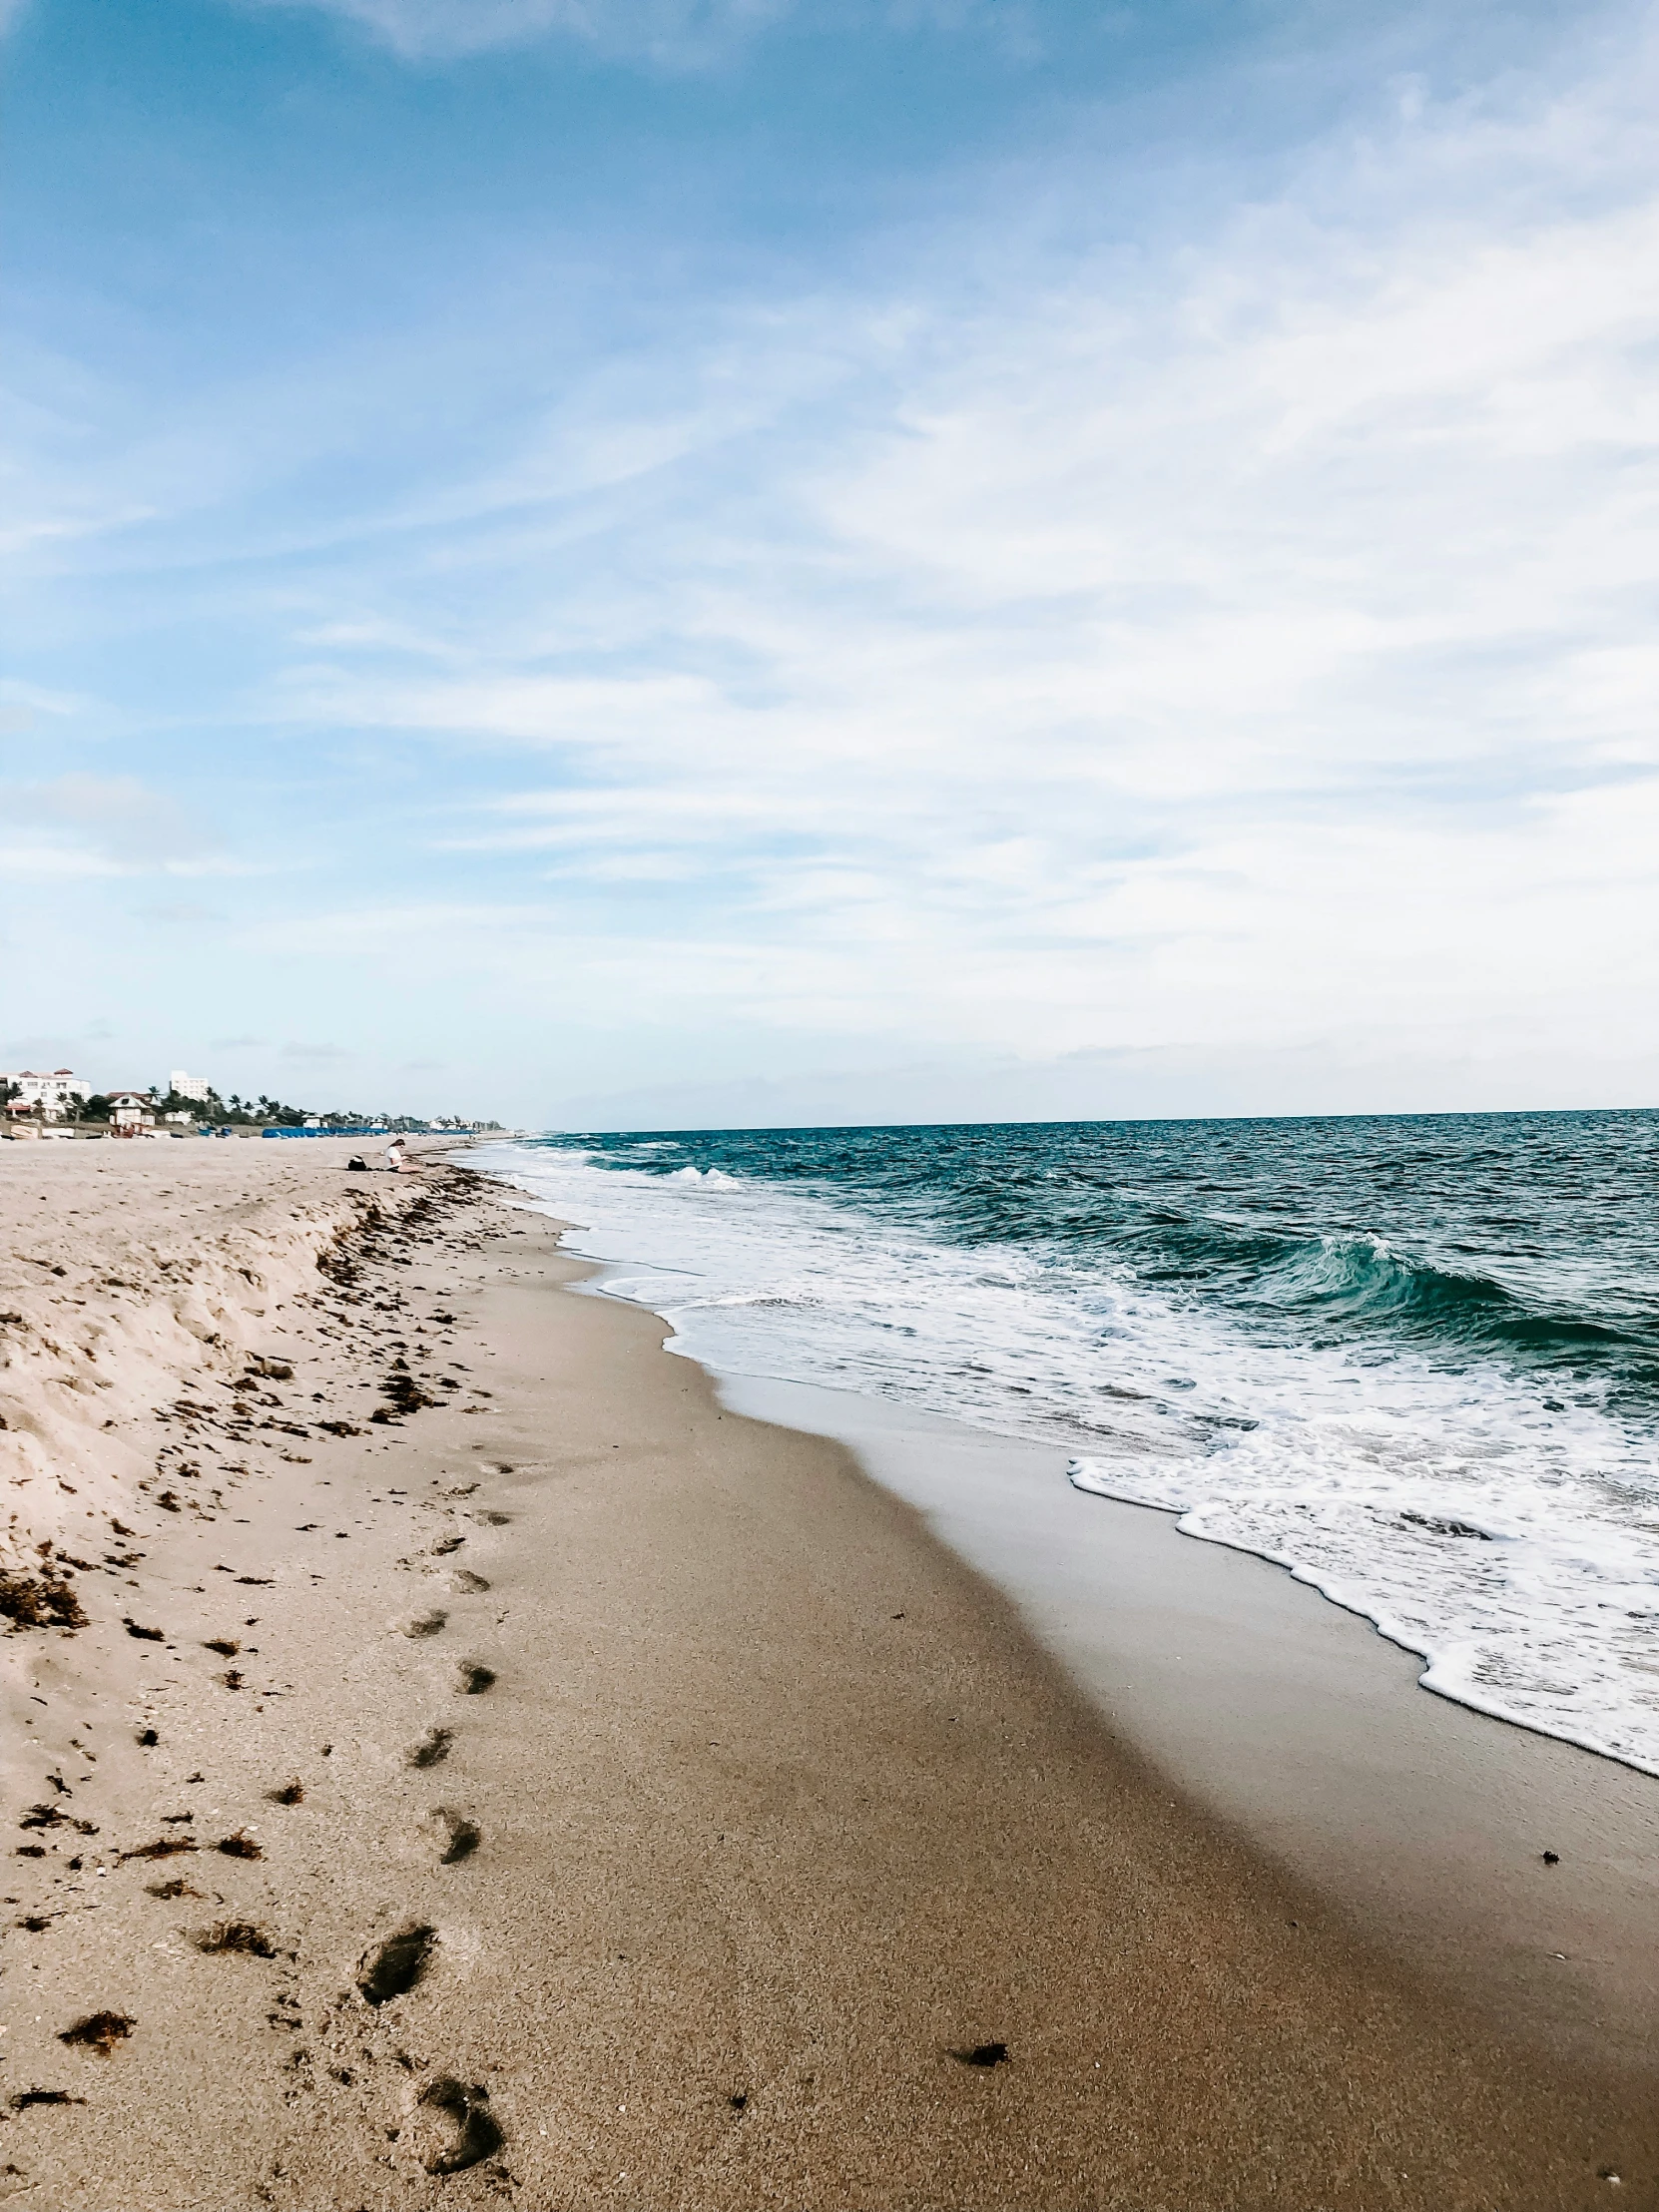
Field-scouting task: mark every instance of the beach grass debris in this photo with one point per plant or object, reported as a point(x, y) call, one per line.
point(403, 1395)
point(99, 2032)
point(48, 1816)
point(26, 2097)
point(982, 2054)
point(288, 1793)
point(238, 1846)
point(165, 1847)
point(42, 1598)
point(225, 1646)
point(143, 1634)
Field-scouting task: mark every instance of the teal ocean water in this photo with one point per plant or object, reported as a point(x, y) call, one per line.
point(1415, 1358)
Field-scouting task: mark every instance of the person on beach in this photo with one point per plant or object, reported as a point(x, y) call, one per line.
point(397, 1157)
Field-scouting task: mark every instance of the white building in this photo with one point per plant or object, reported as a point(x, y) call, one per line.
point(190, 1086)
point(54, 1094)
point(130, 1113)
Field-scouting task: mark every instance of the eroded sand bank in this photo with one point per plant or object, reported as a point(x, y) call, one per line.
point(626, 1803)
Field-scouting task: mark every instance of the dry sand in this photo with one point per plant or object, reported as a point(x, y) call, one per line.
point(626, 1803)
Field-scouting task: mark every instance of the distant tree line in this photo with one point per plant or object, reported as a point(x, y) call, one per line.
point(236, 1112)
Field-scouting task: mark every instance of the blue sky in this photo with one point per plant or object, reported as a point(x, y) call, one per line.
point(658, 563)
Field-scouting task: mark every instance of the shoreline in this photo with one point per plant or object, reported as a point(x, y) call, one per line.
point(1305, 1728)
point(711, 1837)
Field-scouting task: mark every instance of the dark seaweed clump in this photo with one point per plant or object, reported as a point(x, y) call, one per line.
point(44, 1600)
point(99, 2032)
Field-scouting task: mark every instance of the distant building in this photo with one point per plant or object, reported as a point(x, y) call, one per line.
point(130, 1112)
point(190, 1086)
point(55, 1094)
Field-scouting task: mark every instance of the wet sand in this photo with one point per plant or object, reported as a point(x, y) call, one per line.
point(1294, 1722)
point(628, 1803)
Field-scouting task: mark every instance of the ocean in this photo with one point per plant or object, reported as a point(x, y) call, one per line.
point(1413, 1359)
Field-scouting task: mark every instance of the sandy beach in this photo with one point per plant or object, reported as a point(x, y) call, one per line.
point(453, 1758)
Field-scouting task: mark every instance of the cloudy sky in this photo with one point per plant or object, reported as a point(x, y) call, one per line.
point(664, 561)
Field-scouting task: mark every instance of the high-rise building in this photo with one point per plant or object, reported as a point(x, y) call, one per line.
point(190, 1086)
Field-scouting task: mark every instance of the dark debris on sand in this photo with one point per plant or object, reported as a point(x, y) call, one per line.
point(99, 2032)
point(44, 1600)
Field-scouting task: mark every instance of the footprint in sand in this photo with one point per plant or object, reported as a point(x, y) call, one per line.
point(432, 1747)
point(235, 1936)
point(464, 1580)
point(425, 1624)
point(451, 2127)
point(474, 1678)
point(393, 1969)
point(460, 1836)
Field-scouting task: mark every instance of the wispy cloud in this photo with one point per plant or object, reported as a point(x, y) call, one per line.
point(1127, 615)
point(93, 826)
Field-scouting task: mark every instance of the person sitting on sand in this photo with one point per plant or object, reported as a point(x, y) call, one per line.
point(397, 1157)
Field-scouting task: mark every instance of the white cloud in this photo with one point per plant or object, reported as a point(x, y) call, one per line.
point(102, 826)
point(1240, 644)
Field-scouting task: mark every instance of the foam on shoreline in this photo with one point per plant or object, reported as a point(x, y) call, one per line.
point(1504, 1532)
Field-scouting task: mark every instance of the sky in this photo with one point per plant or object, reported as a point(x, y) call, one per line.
point(655, 563)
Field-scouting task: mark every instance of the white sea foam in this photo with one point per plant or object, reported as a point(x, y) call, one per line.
point(1511, 1541)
